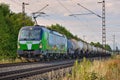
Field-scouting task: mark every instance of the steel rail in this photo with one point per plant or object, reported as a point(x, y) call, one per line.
point(25, 63)
point(31, 71)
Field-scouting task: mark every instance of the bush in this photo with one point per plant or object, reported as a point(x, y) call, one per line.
point(96, 70)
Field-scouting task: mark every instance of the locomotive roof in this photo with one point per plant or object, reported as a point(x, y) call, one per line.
point(35, 27)
point(44, 28)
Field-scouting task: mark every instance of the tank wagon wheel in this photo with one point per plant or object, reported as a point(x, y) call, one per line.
point(37, 60)
point(29, 60)
point(63, 56)
point(69, 56)
point(46, 57)
point(40, 58)
point(54, 57)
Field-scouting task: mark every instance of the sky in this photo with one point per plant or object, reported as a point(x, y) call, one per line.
point(87, 27)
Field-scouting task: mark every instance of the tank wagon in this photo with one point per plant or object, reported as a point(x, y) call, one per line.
point(81, 47)
point(37, 41)
point(84, 49)
point(70, 48)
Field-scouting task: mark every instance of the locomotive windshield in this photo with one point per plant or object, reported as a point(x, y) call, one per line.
point(27, 34)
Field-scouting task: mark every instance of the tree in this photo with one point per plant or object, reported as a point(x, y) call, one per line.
point(63, 30)
point(92, 43)
point(107, 47)
point(10, 24)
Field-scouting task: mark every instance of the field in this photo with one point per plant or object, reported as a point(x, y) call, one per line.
point(96, 70)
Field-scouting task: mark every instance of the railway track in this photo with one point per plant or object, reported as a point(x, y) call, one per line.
point(25, 63)
point(42, 68)
point(22, 73)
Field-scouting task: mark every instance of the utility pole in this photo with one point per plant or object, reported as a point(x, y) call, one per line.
point(23, 11)
point(103, 24)
point(113, 43)
point(102, 17)
point(84, 37)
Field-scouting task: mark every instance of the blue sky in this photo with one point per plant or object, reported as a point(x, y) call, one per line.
point(89, 26)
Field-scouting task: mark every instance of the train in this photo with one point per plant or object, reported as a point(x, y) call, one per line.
point(38, 43)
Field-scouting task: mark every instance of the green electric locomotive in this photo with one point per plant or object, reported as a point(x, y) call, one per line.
point(39, 42)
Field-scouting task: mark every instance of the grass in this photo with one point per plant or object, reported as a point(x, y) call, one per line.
point(11, 60)
point(96, 70)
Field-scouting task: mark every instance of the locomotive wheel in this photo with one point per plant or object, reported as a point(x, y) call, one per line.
point(37, 60)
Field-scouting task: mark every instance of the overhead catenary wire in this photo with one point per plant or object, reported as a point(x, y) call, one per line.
point(89, 10)
point(38, 13)
point(81, 14)
point(40, 9)
point(65, 8)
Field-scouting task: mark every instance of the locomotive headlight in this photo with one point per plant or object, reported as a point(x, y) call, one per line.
point(40, 46)
point(18, 46)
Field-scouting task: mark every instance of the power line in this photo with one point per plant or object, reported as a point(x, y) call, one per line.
point(80, 14)
point(69, 10)
point(38, 13)
point(65, 8)
point(113, 42)
point(89, 10)
point(40, 9)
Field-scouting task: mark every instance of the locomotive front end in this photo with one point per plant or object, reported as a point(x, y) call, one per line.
point(29, 42)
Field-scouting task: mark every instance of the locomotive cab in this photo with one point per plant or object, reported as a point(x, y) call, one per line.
point(29, 41)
